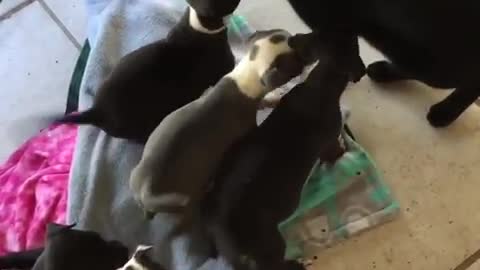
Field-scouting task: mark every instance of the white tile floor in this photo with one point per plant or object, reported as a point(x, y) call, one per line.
point(37, 57)
point(72, 14)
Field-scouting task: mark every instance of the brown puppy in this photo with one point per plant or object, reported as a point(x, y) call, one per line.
point(184, 150)
point(152, 81)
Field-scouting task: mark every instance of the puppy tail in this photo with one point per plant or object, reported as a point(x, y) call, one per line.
point(20, 260)
point(89, 117)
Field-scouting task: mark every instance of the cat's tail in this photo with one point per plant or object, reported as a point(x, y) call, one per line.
point(20, 260)
point(89, 117)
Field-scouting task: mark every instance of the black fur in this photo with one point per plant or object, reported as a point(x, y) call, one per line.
point(20, 260)
point(433, 41)
point(214, 8)
point(66, 248)
point(259, 182)
point(151, 82)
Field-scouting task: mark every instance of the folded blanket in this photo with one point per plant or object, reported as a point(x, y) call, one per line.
point(34, 188)
point(99, 196)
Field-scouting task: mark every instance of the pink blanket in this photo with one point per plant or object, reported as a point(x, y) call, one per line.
point(33, 188)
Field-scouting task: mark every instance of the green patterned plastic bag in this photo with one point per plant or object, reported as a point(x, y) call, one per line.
point(337, 202)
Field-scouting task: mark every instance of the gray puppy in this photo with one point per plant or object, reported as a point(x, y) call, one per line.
point(185, 149)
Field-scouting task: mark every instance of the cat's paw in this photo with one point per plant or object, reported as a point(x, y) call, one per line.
point(441, 115)
point(384, 72)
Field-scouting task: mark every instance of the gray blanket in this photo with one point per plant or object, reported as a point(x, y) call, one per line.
point(99, 197)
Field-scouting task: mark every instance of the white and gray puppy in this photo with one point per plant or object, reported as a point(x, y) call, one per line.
point(141, 260)
point(185, 149)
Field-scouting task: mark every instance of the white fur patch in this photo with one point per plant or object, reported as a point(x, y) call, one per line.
point(247, 74)
point(164, 200)
point(142, 248)
point(197, 25)
point(133, 263)
point(272, 99)
point(174, 199)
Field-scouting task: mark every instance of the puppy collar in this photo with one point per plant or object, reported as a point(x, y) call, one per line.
point(197, 25)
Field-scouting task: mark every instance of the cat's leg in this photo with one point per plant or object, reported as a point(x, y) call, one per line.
point(332, 152)
point(385, 72)
point(358, 67)
point(448, 110)
point(358, 70)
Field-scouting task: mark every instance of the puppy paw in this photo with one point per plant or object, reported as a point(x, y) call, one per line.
point(441, 116)
point(384, 72)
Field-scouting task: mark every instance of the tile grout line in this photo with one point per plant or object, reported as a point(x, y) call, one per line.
point(15, 9)
point(59, 24)
point(469, 261)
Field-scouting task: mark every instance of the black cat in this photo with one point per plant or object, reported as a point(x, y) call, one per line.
point(433, 41)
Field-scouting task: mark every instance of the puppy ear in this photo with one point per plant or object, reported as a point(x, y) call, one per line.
point(54, 228)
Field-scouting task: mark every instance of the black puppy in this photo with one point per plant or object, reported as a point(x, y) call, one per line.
point(151, 82)
point(259, 183)
point(433, 41)
point(66, 248)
